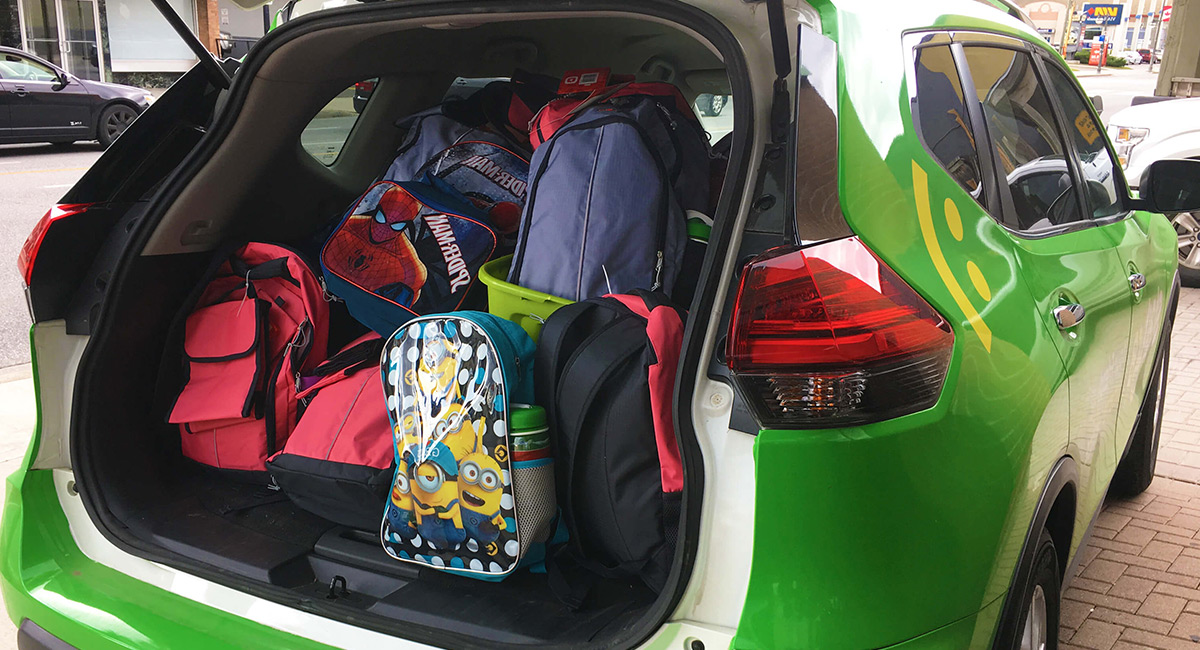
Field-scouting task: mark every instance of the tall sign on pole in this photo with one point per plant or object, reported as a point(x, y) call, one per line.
point(1104, 16)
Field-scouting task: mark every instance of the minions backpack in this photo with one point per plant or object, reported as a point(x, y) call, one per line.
point(459, 500)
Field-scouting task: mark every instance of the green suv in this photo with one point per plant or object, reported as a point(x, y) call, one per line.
point(930, 335)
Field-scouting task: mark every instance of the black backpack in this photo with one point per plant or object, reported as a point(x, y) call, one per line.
point(605, 371)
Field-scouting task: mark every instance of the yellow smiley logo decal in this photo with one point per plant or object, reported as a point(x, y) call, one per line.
point(929, 234)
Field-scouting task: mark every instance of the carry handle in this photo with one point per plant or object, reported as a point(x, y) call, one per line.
point(276, 268)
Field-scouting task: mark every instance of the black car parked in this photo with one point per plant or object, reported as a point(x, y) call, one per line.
point(41, 102)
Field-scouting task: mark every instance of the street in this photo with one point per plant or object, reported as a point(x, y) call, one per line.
point(1117, 87)
point(32, 178)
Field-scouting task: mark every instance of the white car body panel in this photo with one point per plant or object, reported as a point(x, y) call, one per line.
point(1174, 127)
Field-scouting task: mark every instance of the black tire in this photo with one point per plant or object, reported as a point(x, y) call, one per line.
point(1136, 470)
point(113, 122)
point(1189, 277)
point(1040, 621)
point(1187, 229)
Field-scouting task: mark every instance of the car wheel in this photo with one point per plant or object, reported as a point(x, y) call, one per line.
point(717, 105)
point(1038, 626)
point(1187, 228)
point(1136, 470)
point(113, 122)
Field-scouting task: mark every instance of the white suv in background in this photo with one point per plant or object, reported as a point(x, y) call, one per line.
point(1163, 129)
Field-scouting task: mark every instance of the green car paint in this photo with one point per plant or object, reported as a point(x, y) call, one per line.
point(46, 578)
point(874, 535)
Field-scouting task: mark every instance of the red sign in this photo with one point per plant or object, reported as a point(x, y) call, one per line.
point(1166, 13)
point(1097, 56)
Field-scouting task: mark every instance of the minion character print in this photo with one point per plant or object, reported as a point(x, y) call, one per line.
point(451, 503)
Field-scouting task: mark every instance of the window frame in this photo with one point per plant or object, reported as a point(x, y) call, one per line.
point(1044, 61)
point(927, 40)
point(992, 194)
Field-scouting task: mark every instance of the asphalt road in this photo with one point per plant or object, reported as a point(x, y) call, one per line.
point(1117, 87)
point(32, 178)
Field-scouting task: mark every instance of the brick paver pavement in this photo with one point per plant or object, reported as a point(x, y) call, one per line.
point(1138, 584)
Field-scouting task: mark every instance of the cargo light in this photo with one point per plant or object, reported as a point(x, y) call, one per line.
point(830, 336)
point(29, 251)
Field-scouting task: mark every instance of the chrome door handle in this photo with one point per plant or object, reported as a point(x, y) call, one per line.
point(20, 92)
point(1137, 282)
point(1068, 316)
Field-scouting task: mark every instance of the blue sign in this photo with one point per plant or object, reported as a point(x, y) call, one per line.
point(1103, 15)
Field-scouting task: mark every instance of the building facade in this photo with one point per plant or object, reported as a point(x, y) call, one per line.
point(123, 39)
point(1140, 18)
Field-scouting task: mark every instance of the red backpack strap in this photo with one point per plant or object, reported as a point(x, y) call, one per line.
point(358, 355)
point(664, 329)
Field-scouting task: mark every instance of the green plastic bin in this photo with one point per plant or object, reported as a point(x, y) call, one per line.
point(525, 307)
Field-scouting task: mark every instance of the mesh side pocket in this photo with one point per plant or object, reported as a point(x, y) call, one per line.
point(533, 492)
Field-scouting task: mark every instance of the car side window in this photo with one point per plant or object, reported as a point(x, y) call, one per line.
point(1101, 186)
point(1037, 191)
point(18, 68)
point(941, 116)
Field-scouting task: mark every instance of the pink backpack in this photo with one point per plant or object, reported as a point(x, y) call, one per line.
point(260, 321)
point(338, 462)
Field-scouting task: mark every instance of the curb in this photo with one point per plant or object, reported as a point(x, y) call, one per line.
point(16, 373)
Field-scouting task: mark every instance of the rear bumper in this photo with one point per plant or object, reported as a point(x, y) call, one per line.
point(49, 585)
point(31, 636)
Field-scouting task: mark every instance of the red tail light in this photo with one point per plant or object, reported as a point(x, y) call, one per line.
point(30, 250)
point(363, 87)
point(830, 336)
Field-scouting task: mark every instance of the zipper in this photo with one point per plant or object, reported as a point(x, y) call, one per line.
point(664, 210)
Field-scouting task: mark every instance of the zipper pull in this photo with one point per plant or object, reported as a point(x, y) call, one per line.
point(329, 297)
point(658, 266)
point(670, 118)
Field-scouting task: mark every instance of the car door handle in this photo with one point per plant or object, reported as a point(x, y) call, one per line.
point(19, 92)
point(1068, 316)
point(1137, 282)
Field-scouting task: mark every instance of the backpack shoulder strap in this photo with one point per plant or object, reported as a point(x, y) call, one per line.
point(596, 361)
point(558, 333)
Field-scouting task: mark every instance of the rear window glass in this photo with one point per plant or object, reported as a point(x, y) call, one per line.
point(941, 114)
point(1026, 147)
point(326, 134)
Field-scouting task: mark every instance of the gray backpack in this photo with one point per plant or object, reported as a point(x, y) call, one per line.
point(608, 192)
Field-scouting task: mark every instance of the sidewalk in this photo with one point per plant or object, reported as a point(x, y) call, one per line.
point(1139, 580)
point(17, 415)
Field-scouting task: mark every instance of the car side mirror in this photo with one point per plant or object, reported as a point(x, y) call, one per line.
point(62, 82)
point(1098, 102)
point(1171, 185)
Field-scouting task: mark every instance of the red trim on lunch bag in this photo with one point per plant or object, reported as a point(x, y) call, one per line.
point(664, 328)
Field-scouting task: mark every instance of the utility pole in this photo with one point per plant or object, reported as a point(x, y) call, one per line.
point(1070, 28)
point(1154, 37)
